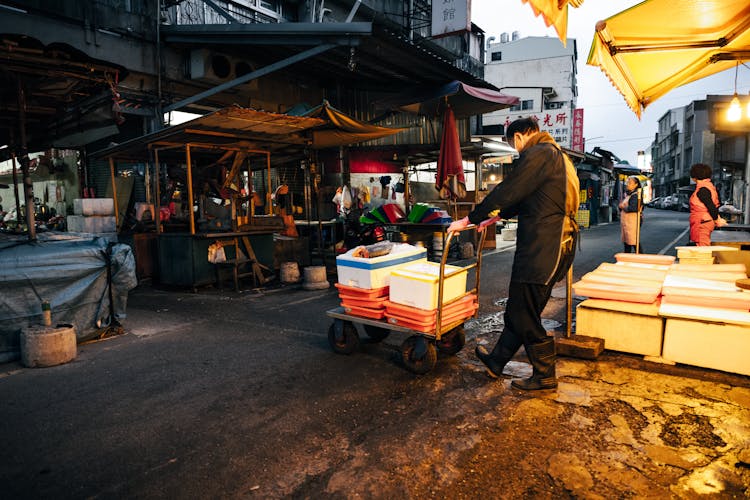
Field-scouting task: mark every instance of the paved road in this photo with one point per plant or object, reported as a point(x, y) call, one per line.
point(226, 395)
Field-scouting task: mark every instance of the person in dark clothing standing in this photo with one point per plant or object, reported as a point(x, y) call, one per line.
point(704, 206)
point(631, 213)
point(543, 192)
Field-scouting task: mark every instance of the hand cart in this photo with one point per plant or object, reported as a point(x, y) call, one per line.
point(419, 350)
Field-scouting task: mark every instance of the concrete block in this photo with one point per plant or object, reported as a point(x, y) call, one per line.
point(579, 346)
point(47, 346)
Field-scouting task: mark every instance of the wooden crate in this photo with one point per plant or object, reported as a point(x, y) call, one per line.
point(712, 345)
point(624, 326)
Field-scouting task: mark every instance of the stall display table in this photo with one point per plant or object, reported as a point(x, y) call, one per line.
point(739, 239)
point(183, 258)
point(624, 326)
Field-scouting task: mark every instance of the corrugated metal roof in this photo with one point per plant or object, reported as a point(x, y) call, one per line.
point(233, 127)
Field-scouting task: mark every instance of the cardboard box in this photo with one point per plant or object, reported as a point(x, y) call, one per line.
point(376, 272)
point(93, 206)
point(709, 345)
point(624, 326)
point(416, 285)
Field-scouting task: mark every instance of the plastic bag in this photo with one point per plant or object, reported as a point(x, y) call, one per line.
point(216, 253)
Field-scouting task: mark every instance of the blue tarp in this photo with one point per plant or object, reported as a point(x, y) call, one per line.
point(71, 272)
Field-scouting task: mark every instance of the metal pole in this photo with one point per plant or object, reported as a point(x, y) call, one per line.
point(157, 192)
point(15, 192)
point(190, 189)
point(569, 302)
point(747, 180)
point(268, 188)
point(638, 222)
point(114, 192)
point(405, 171)
point(24, 158)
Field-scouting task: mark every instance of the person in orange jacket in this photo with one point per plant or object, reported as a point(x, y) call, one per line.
point(704, 206)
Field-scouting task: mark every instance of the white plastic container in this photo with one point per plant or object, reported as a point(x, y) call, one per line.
point(93, 206)
point(376, 272)
point(416, 285)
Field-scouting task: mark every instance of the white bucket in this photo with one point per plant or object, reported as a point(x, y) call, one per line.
point(289, 272)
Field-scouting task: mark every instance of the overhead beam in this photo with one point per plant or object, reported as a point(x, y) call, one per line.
point(251, 76)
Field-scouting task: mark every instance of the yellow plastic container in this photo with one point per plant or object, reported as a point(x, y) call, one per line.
point(416, 285)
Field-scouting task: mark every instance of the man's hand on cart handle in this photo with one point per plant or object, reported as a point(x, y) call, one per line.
point(461, 224)
point(458, 225)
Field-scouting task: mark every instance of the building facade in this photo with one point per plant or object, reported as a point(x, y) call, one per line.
point(543, 74)
point(685, 137)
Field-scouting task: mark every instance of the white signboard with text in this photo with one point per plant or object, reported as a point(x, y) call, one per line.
point(450, 16)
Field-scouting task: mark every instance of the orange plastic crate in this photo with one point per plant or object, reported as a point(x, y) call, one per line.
point(362, 293)
point(364, 312)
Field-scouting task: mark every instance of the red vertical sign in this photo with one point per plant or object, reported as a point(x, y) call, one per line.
point(576, 143)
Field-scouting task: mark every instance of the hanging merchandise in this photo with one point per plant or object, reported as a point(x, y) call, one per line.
point(399, 187)
point(337, 198)
point(393, 193)
point(365, 194)
point(375, 191)
point(346, 198)
point(385, 180)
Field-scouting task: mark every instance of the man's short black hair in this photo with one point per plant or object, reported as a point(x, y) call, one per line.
point(700, 171)
point(522, 126)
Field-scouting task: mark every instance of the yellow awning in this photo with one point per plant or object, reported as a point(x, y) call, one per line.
point(554, 13)
point(658, 45)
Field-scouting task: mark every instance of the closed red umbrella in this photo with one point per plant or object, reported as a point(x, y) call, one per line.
point(450, 169)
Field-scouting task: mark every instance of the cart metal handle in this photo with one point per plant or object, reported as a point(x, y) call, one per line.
point(477, 265)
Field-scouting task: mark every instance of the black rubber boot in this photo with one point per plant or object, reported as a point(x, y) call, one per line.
point(496, 360)
point(542, 357)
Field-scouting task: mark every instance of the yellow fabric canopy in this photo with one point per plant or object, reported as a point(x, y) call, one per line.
point(658, 45)
point(343, 129)
point(554, 13)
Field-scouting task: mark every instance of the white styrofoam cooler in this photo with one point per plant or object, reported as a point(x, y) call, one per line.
point(416, 284)
point(93, 206)
point(376, 272)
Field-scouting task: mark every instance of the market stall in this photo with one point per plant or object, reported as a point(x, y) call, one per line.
point(212, 185)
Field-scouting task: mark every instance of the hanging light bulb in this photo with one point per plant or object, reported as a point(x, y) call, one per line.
point(734, 113)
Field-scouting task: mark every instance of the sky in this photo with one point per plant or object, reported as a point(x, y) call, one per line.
point(608, 122)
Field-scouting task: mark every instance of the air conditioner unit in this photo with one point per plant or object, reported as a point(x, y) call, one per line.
point(215, 67)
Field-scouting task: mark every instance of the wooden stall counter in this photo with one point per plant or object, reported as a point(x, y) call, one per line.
point(183, 258)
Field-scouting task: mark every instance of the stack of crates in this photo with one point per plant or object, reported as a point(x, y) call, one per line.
point(413, 296)
point(363, 283)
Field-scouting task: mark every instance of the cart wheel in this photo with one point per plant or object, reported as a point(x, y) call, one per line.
point(451, 342)
point(419, 354)
point(376, 333)
point(346, 340)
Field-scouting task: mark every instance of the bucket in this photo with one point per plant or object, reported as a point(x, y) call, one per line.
point(289, 272)
point(437, 244)
point(315, 278)
point(47, 345)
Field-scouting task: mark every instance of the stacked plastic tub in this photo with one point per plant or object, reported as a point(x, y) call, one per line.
point(413, 296)
point(363, 282)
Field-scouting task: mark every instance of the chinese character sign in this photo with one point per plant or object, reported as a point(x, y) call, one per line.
point(450, 16)
point(577, 142)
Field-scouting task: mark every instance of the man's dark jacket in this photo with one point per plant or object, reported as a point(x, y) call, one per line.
point(534, 192)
